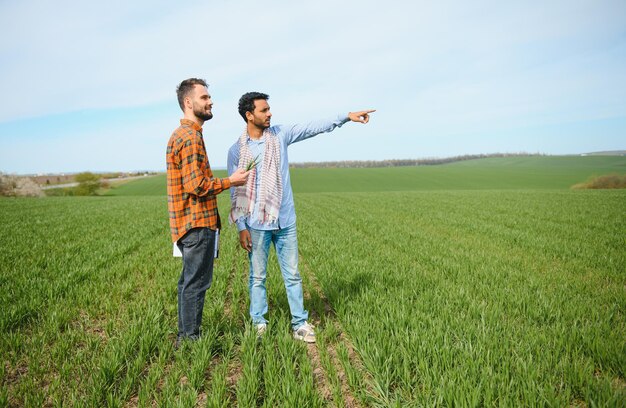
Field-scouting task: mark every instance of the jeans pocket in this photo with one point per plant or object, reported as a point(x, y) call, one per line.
point(192, 237)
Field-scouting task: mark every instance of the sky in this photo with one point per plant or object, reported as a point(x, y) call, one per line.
point(90, 86)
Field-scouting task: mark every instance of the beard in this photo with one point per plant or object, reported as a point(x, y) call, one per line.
point(202, 114)
point(261, 124)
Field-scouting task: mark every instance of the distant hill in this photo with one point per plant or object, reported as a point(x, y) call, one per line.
point(495, 173)
point(407, 162)
point(436, 161)
point(606, 153)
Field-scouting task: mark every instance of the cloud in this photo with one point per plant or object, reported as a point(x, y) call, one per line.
point(438, 69)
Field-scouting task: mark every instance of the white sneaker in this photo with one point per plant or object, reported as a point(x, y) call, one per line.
point(306, 333)
point(261, 328)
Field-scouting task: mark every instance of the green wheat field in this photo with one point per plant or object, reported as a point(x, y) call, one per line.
point(480, 283)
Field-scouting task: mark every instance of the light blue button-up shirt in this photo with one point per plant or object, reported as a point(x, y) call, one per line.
point(287, 134)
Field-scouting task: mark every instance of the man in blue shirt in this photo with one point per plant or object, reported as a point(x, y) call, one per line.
point(264, 209)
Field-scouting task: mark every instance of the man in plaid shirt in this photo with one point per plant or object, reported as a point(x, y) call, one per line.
point(192, 203)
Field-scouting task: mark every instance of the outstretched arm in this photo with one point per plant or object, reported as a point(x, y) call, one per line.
point(299, 132)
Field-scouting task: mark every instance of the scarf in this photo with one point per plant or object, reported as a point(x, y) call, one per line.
point(270, 192)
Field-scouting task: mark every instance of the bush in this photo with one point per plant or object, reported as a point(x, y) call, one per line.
point(14, 186)
point(60, 192)
point(601, 182)
point(88, 183)
point(7, 185)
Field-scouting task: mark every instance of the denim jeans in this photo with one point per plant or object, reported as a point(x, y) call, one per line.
point(286, 244)
point(197, 247)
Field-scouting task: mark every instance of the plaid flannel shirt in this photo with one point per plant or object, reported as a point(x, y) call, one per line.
point(191, 187)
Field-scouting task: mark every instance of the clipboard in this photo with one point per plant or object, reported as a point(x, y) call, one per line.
point(176, 252)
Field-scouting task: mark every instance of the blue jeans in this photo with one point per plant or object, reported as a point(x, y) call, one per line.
point(286, 244)
point(197, 247)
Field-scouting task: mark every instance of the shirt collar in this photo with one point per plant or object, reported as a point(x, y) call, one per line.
point(261, 140)
point(189, 122)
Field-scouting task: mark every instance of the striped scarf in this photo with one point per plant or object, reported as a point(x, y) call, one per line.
point(271, 187)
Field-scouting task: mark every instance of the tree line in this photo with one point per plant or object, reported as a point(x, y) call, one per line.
point(406, 162)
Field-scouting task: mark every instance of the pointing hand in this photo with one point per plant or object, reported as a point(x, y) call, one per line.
point(362, 116)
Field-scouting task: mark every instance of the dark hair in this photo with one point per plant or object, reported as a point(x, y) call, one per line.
point(246, 102)
point(185, 87)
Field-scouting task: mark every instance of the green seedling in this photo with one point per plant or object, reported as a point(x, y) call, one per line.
point(252, 164)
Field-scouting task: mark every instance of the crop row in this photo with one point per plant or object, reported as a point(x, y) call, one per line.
point(420, 298)
point(89, 315)
point(492, 298)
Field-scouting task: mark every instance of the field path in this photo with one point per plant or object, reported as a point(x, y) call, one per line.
point(229, 373)
point(333, 372)
point(233, 364)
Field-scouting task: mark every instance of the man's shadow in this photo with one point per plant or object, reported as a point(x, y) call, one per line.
point(324, 299)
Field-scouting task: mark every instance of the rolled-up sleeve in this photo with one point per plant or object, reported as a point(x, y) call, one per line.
point(196, 176)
